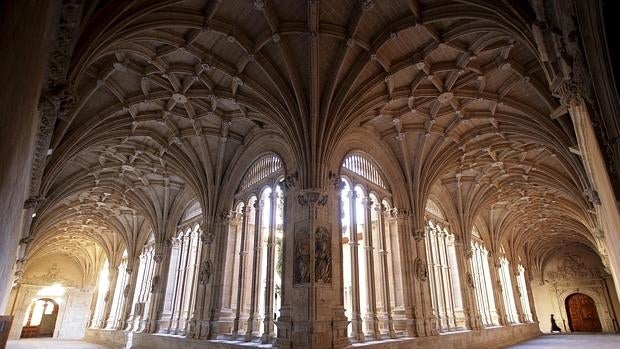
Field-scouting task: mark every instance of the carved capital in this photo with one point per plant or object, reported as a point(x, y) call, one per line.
point(592, 196)
point(419, 234)
point(26, 240)
point(312, 198)
point(570, 91)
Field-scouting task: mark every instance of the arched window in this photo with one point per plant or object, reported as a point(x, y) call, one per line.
point(523, 296)
point(507, 293)
point(142, 292)
point(182, 277)
point(443, 276)
point(256, 234)
point(102, 289)
point(369, 296)
point(483, 284)
point(120, 294)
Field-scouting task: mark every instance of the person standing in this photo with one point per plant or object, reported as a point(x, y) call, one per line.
point(554, 325)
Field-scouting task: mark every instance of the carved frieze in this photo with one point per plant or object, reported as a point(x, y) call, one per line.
point(421, 270)
point(205, 272)
point(301, 268)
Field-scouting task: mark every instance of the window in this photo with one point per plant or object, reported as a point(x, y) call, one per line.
point(366, 241)
point(257, 235)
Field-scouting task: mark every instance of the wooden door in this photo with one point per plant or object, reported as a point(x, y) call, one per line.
point(582, 313)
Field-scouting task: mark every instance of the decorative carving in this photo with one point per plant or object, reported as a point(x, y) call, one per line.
point(126, 291)
point(571, 267)
point(592, 196)
point(368, 4)
point(301, 268)
point(205, 272)
point(312, 198)
point(206, 235)
point(290, 181)
point(419, 234)
point(154, 283)
point(421, 270)
point(51, 276)
point(470, 280)
point(322, 256)
point(570, 91)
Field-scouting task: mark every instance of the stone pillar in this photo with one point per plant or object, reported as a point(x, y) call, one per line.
point(356, 311)
point(426, 322)
point(269, 330)
point(383, 260)
point(237, 330)
point(468, 292)
point(514, 272)
point(370, 318)
point(133, 265)
point(109, 296)
point(254, 319)
point(158, 285)
point(498, 291)
point(600, 193)
point(530, 295)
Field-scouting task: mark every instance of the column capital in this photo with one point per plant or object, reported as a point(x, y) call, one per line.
point(312, 197)
point(570, 91)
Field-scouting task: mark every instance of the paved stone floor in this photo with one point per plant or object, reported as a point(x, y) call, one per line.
point(48, 343)
point(572, 341)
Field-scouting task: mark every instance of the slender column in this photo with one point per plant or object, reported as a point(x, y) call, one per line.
point(412, 326)
point(129, 291)
point(256, 275)
point(514, 272)
point(243, 253)
point(385, 282)
point(356, 318)
point(109, 296)
point(530, 294)
point(268, 321)
point(371, 316)
point(447, 282)
point(431, 236)
point(464, 263)
point(498, 291)
point(158, 285)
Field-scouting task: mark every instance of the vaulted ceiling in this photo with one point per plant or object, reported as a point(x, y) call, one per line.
point(169, 93)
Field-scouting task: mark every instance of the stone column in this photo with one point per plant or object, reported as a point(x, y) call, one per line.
point(530, 295)
point(109, 296)
point(514, 272)
point(498, 291)
point(471, 309)
point(128, 293)
point(253, 320)
point(600, 193)
point(426, 322)
point(372, 322)
point(268, 320)
point(158, 285)
point(356, 312)
point(237, 330)
point(385, 278)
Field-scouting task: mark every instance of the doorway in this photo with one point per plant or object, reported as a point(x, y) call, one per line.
point(582, 313)
point(40, 320)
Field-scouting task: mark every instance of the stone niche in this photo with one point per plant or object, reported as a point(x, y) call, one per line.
point(73, 305)
point(570, 271)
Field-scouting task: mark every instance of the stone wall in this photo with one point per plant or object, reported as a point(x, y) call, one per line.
point(569, 271)
point(490, 338)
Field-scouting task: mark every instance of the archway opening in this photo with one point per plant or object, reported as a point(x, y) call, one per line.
point(40, 320)
point(582, 313)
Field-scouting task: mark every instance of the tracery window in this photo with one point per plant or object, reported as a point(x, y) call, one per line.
point(483, 284)
point(366, 250)
point(102, 289)
point(142, 292)
point(523, 295)
point(182, 278)
point(443, 277)
point(115, 319)
point(507, 293)
point(258, 233)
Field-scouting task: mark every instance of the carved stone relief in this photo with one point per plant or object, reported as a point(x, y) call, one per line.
point(571, 267)
point(301, 268)
point(421, 270)
point(205, 272)
point(323, 256)
point(470, 280)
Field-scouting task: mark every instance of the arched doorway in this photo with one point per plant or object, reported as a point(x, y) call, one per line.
point(40, 319)
point(582, 313)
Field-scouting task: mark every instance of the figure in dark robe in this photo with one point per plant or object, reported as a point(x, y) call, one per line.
point(554, 326)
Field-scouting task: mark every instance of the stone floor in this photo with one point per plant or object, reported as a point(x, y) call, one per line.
point(49, 343)
point(571, 341)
